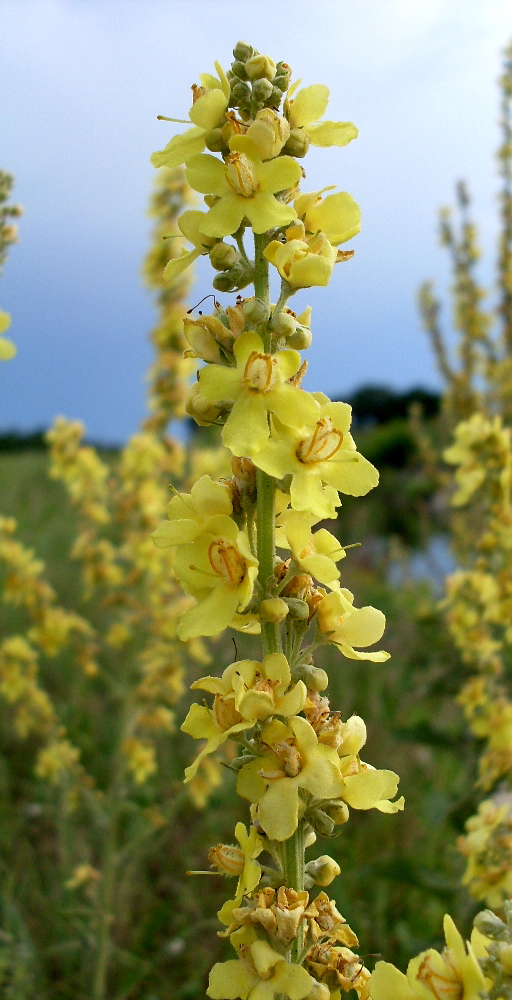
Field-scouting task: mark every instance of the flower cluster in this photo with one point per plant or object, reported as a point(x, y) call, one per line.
point(245, 548)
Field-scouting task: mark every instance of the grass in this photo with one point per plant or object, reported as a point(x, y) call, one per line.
point(399, 874)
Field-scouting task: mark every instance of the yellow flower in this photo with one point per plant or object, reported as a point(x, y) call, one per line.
point(260, 971)
point(347, 626)
point(188, 512)
point(303, 260)
point(219, 570)
point(315, 454)
point(257, 690)
point(7, 348)
point(242, 863)
point(318, 553)
point(257, 385)
point(269, 132)
point(207, 112)
point(189, 222)
point(338, 216)
point(295, 760)
point(245, 187)
point(488, 848)
point(213, 725)
point(307, 107)
point(453, 975)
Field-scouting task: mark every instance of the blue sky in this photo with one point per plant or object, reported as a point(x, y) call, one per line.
point(82, 82)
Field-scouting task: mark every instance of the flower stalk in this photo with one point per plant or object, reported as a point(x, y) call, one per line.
point(245, 550)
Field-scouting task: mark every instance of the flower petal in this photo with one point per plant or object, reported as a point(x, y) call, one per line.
point(206, 174)
point(332, 133)
point(246, 428)
point(180, 149)
point(225, 217)
point(279, 174)
point(212, 615)
point(278, 810)
point(309, 105)
point(265, 212)
point(229, 980)
point(208, 110)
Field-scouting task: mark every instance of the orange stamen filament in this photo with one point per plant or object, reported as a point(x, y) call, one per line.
point(323, 443)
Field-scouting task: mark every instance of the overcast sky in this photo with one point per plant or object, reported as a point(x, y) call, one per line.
point(81, 83)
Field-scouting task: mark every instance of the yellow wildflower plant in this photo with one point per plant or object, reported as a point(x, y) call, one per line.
point(219, 569)
point(307, 107)
point(259, 385)
point(213, 725)
point(190, 223)
point(487, 846)
point(7, 348)
point(257, 690)
point(245, 187)
point(453, 973)
point(302, 260)
point(347, 626)
point(297, 763)
point(316, 454)
point(338, 216)
point(316, 553)
point(295, 760)
point(207, 112)
point(188, 512)
point(260, 971)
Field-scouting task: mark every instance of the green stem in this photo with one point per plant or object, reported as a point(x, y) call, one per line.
point(292, 850)
point(285, 294)
point(262, 287)
point(270, 634)
point(292, 859)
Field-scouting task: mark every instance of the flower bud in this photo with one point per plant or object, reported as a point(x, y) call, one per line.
point(260, 66)
point(274, 610)
point(255, 311)
point(223, 283)
point(315, 678)
point(354, 736)
point(261, 90)
point(337, 810)
point(241, 92)
point(321, 822)
point(202, 410)
point(297, 143)
point(490, 925)
point(242, 51)
point(283, 73)
point(309, 837)
point(301, 338)
point(201, 341)
point(216, 329)
point(275, 98)
point(238, 276)
point(214, 141)
point(283, 323)
point(269, 132)
point(298, 609)
point(238, 69)
point(323, 871)
point(222, 256)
